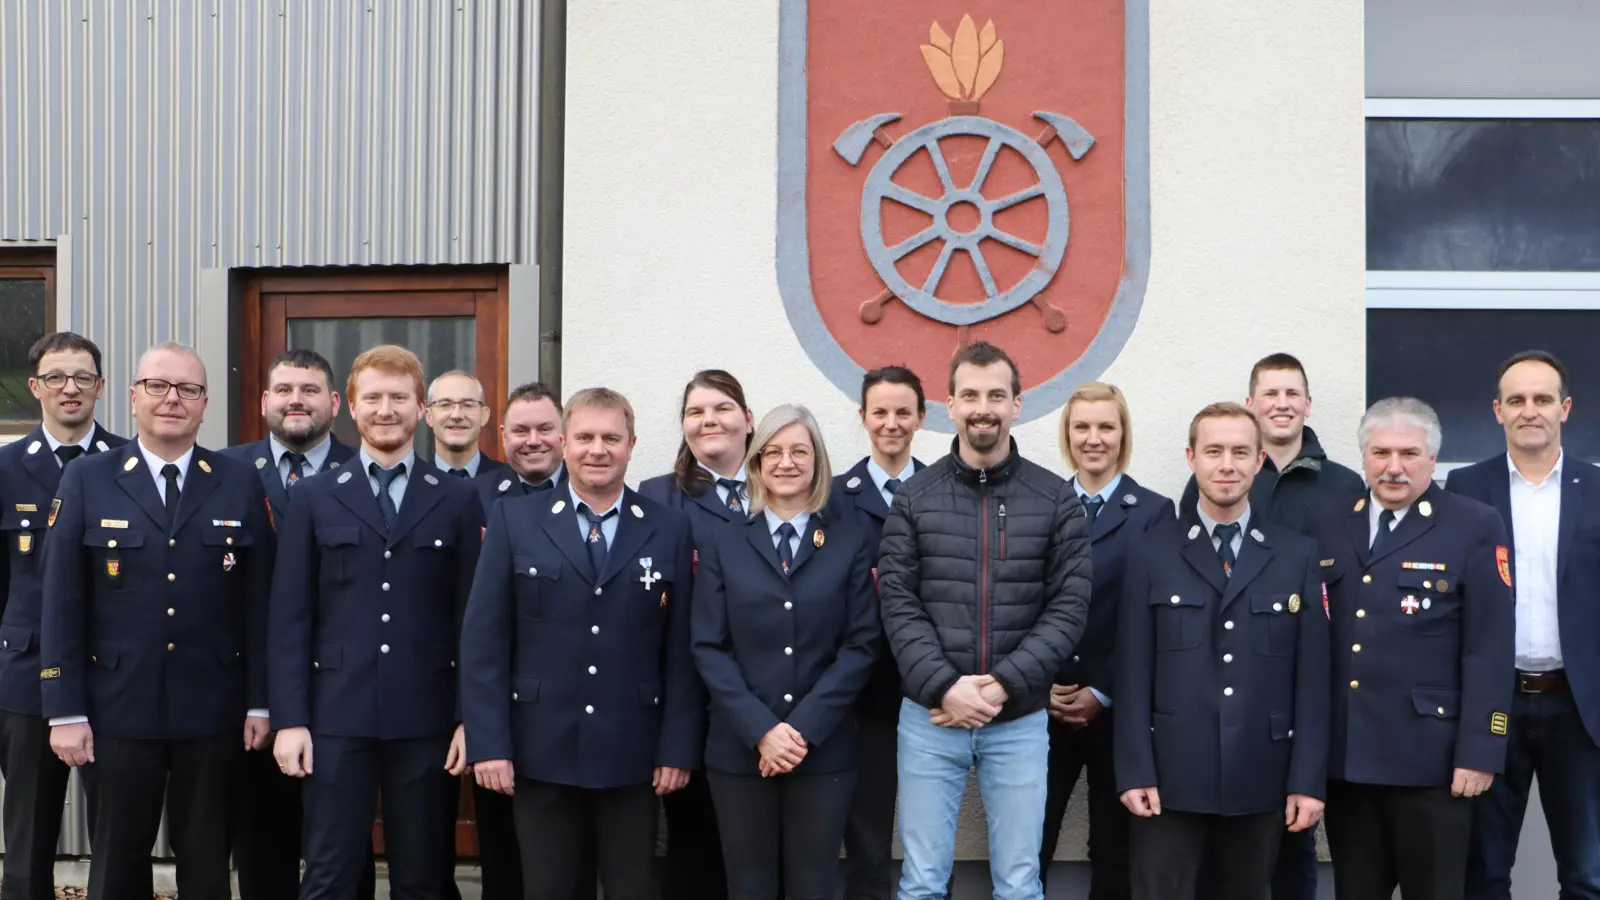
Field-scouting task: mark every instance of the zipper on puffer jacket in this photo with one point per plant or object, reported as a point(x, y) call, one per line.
point(983, 573)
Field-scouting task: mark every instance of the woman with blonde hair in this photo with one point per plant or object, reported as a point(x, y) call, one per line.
point(1096, 435)
point(783, 625)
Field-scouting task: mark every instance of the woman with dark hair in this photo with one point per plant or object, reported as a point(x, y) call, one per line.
point(783, 625)
point(892, 409)
point(708, 484)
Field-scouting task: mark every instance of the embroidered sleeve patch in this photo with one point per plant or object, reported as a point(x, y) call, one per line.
point(1498, 723)
point(47, 674)
point(1325, 613)
point(55, 507)
point(1502, 559)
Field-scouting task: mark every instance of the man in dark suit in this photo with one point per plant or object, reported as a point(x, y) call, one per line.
point(371, 581)
point(67, 381)
point(457, 413)
point(1418, 585)
point(299, 406)
point(156, 576)
point(1549, 505)
point(1097, 441)
point(579, 690)
point(1222, 681)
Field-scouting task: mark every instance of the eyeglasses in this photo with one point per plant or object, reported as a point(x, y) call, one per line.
point(797, 455)
point(450, 406)
point(55, 381)
point(155, 387)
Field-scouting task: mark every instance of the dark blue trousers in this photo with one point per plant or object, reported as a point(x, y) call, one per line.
point(340, 796)
point(1294, 877)
point(1546, 739)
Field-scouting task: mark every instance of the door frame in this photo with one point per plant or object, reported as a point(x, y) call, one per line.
point(271, 297)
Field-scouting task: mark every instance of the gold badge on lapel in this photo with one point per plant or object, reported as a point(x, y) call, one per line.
point(1294, 603)
point(27, 507)
point(55, 507)
point(1361, 504)
point(128, 466)
point(205, 467)
point(47, 674)
point(816, 539)
point(24, 543)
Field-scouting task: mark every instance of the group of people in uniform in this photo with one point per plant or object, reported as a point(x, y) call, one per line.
point(276, 641)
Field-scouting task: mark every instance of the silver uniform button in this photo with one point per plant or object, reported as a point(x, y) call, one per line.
point(438, 543)
point(532, 571)
point(513, 695)
point(386, 554)
point(386, 585)
point(589, 710)
point(597, 592)
point(1227, 657)
point(788, 651)
point(594, 629)
point(384, 649)
point(593, 670)
point(788, 698)
point(1227, 692)
point(788, 605)
point(1291, 732)
point(1228, 625)
point(1277, 607)
point(386, 617)
point(1175, 600)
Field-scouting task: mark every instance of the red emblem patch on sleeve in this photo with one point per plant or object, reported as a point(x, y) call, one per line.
point(694, 561)
point(1325, 612)
point(268, 505)
point(1502, 559)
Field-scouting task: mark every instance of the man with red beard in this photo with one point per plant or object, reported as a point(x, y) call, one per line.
point(371, 582)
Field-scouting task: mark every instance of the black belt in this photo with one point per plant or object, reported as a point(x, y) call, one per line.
point(1543, 682)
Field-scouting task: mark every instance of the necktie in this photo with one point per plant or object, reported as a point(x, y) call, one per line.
point(1385, 523)
point(1226, 533)
point(735, 503)
point(892, 485)
point(297, 468)
point(786, 533)
point(385, 478)
point(67, 454)
point(1092, 507)
point(595, 539)
point(170, 473)
point(460, 473)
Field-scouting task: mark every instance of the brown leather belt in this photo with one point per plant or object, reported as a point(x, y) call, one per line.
point(1543, 682)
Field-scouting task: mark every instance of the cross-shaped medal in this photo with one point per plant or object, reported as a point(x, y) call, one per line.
point(649, 578)
point(1410, 605)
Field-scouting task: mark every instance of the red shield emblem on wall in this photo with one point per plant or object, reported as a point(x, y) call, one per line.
point(960, 171)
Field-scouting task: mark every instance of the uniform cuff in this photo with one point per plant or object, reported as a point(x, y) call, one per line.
point(68, 720)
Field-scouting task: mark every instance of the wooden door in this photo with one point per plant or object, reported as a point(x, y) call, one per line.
point(452, 318)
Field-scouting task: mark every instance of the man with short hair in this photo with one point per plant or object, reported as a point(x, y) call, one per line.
point(371, 582)
point(530, 437)
point(1418, 585)
point(984, 580)
point(581, 697)
point(298, 405)
point(1222, 680)
point(157, 571)
point(1546, 501)
point(457, 413)
point(67, 382)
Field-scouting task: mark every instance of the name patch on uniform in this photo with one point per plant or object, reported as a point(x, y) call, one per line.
point(47, 674)
point(1498, 723)
point(113, 523)
point(1326, 563)
point(27, 507)
point(1502, 559)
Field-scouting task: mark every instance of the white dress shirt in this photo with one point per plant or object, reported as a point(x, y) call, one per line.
point(53, 444)
point(774, 522)
point(1211, 524)
point(1374, 510)
point(880, 478)
point(1536, 522)
point(722, 493)
point(316, 457)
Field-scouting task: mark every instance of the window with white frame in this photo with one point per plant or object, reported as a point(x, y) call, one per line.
point(1483, 239)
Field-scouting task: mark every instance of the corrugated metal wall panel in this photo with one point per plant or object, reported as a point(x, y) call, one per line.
point(171, 136)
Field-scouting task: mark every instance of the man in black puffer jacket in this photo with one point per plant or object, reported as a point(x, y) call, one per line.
point(984, 578)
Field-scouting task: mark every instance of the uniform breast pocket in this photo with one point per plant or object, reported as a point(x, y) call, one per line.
point(532, 578)
point(113, 551)
point(1429, 601)
point(226, 544)
point(1180, 620)
point(655, 578)
point(337, 545)
point(23, 530)
point(436, 551)
point(1272, 623)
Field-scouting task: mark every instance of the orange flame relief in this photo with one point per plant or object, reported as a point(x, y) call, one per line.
point(966, 66)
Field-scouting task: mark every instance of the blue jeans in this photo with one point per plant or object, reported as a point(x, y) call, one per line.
point(1548, 739)
point(1013, 768)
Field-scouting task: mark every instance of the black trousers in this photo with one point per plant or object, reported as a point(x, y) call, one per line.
point(694, 869)
point(198, 779)
point(498, 856)
point(36, 790)
point(340, 797)
point(266, 849)
point(869, 827)
point(788, 835)
point(1166, 851)
point(555, 821)
point(1382, 836)
point(1072, 750)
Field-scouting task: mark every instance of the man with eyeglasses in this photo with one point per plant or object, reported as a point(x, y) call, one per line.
point(157, 571)
point(299, 406)
point(67, 382)
point(457, 413)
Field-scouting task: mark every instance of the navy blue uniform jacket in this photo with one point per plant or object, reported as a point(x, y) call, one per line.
point(29, 476)
point(793, 648)
point(855, 494)
point(258, 455)
point(582, 678)
point(150, 631)
point(1423, 639)
point(1577, 586)
point(365, 618)
point(1123, 523)
point(1222, 683)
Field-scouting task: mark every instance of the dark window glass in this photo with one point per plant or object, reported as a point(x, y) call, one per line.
point(441, 343)
point(1448, 359)
point(22, 322)
point(1491, 195)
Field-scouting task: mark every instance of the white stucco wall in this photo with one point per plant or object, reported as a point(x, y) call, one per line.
point(1256, 202)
